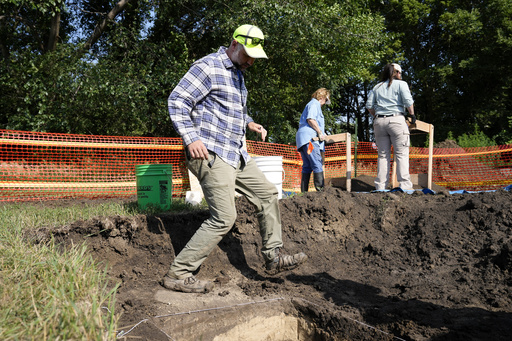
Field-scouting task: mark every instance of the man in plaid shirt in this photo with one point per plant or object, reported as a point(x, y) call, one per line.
point(208, 110)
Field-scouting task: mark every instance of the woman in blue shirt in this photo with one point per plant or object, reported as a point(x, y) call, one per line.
point(312, 125)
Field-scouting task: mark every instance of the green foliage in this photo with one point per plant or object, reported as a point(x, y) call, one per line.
point(121, 86)
point(114, 95)
point(451, 52)
point(475, 139)
point(453, 59)
point(28, 24)
point(472, 140)
point(310, 45)
point(450, 136)
point(325, 44)
point(127, 95)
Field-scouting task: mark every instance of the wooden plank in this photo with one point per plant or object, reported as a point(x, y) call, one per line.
point(430, 156)
point(329, 139)
point(349, 161)
point(419, 125)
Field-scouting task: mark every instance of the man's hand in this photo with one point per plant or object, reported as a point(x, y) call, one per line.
point(197, 150)
point(258, 129)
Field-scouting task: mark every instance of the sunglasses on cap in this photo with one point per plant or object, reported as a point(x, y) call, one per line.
point(254, 41)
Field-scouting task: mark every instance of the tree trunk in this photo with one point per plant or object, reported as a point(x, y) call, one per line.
point(54, 33)
point(100, 28)
point(3, 47)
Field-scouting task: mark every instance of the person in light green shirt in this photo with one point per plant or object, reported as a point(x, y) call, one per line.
point(387, 104)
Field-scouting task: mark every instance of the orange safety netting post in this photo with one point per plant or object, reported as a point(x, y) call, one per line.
point(45, 166)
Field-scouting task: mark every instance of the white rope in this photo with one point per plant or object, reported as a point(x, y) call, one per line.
point(219, 308)
point(122, 333)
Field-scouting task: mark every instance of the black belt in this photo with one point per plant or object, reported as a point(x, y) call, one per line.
point(391, 115)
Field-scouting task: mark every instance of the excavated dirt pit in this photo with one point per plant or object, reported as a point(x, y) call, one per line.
point(382, 266)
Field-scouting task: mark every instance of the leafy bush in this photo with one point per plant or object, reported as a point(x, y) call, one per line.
point(475, 139)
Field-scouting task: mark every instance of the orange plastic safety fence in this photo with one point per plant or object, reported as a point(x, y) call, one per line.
point(44, 166)
point(471, 169)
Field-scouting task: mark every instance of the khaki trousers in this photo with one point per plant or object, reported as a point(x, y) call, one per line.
point(392, 131)
point(219, 181)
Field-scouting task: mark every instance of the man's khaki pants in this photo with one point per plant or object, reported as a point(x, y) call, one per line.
point(392, 131)
point(219, 181)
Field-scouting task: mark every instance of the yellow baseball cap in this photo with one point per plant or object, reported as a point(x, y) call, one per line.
point(252, 39)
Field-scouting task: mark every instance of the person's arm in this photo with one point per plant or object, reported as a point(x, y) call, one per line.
point(314, 112)
point(314, 124)
point(407, 97)
point(407, 100)
point(410, 109)
point(370, 103)
point(193, 87)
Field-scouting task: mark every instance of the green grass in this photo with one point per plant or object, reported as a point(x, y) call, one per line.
point(47, 293)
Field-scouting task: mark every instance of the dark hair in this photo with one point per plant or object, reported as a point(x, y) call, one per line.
point(387, 74)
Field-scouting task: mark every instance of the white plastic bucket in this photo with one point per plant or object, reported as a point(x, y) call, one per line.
point(272, 167)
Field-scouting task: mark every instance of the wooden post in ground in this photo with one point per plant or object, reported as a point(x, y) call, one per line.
point(429, 129)
point(394, 181)
point(430, 155)
point(329, 139)
point(349, 161)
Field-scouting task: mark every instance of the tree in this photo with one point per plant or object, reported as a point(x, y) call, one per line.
point(113, 71)
point(33, 25)
point(107, 89)
point(310, 44)
point(454, 56)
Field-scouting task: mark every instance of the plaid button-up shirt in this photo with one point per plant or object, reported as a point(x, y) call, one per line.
point(208, 104)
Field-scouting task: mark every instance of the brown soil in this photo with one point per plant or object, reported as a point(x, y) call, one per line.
point(382, 266)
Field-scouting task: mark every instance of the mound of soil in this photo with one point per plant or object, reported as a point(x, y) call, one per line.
point(447, 144)
point(382, 266)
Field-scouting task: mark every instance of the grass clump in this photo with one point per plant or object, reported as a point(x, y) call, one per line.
point(47, 293)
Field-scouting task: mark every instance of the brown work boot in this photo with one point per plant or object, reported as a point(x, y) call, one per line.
point(189, 284)
point(283, 262)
